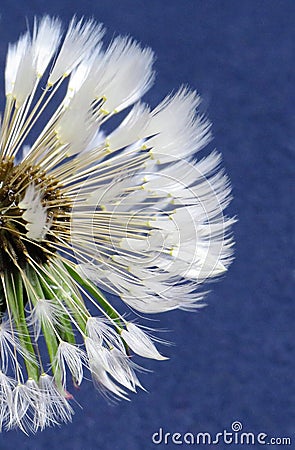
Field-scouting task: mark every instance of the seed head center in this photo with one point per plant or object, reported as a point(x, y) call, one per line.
point(33, 211)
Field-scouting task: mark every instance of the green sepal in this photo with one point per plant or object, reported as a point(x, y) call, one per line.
point(48, 332)
point(96, 294)
point(71, 296)
point(15, 301)
point(64, 326)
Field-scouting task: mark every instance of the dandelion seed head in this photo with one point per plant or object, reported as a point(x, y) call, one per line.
point(84, 213)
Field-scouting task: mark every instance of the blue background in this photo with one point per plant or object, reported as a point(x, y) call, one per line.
point(233, 360)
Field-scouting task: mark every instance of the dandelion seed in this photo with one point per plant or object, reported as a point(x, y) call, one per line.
point(140, 342)
point(71, 356)
point(134, 213)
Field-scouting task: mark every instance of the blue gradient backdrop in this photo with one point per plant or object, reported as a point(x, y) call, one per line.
point(233, 360)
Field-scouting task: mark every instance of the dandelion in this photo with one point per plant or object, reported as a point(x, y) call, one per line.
point(133, 212)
